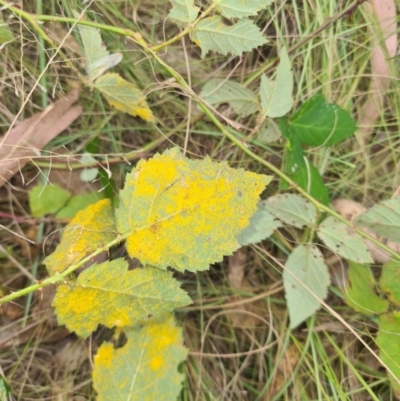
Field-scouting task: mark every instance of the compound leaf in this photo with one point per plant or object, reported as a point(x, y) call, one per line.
point(388, 341)
point(90, 229)
point(98, 58)
point(145, 368)
point(183, 12)
point(217, 91)
point(383, 219)
point(112, 295)
point(185, 213)
point(47, 199)
point(342, 240)
point(240, 8)
point(360, 294)
point(276, 96)
point(212, 34)
point(124, 96)
point(262, 225)
point(318, 123)
point(390, 279)
point(292, 209)
point(305, 275)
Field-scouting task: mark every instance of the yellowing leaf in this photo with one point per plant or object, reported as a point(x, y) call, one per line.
point(185, 213)
point(124, 96)
point(112, 295)
point(145, 368)
point(90, 229)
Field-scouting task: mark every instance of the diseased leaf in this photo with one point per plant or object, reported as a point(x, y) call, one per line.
point(342, 240)
point(305, 274)
point(383, 219)
point(301, 170)
point(78, 203)
point(185, 213)
point(240, 8)
point(292, 209)
point(124, 96)
point(92, 228)
point(360, 294)
point(112, 295)
point(47, 199)
point(388, 341)
point(183, 12)
point(276, 96)
point(390, 279)
point(145, 368)
point(318, 123)
point(262, 225)
point(98, 58)
point(217, 91)
point(212, 34)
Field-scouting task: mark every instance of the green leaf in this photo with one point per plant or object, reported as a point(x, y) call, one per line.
point(318, 123)
point(5, 394)
point(185, 213)
point(302, 171)
point(360, 294)
point(183, 12)
point(145, 368)
point(6, 35)
point(98, 58)
point(240, 8)
point(217, 91)
point(383, 219)
point(292, 209)
point(124, 96)
point(269, 132)
point(388, 341)
point(78, 203)
point(342, 240)
point(276, 96)
point(262, 225)
point(92, 228)
point(305, 274)
point(390, 281)
point(47, 199)
point(88, 174)
point(112, 295)
point(212, 34)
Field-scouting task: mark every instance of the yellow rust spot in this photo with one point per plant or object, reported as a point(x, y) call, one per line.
point(105, 355)
point(90, 229)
